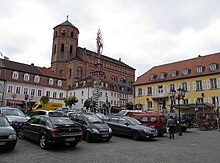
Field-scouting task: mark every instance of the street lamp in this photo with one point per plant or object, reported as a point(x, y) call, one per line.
point(181, 95)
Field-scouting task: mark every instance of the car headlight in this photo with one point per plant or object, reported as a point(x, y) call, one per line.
point(95, 130)
point(146, 130)
point(12, 137)
point(110, 130)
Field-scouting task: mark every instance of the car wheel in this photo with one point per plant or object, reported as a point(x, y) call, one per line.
point(43, 142)
point(135, 135)
point(73, 143)
point(21, 133)
point(88, 137)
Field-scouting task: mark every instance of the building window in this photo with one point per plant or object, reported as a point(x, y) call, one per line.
point(59, 83)
point(186, 71)
point(15, 75)
point(37, 79)
point(62, 48)
point(172, 87)
point(199, 85)
point(71, 34)
point(81, 101)
point(174, 73)
point(54, 49)
point(82, 93)
point(160, 89)
point(213, 67)
point(71, 49)
point(153, 77)
point(18, 90)
point(149, 91)
point(26, 77)
point(25, 91)
point(61, 96)
point(199, 69)
point(50, 81)
point(32, 92)
point(140, 93)
point(162, 75)
point(199, 100)
point(149, 104)
point(184, 86)
point(185, 101)
point(213, 83)
point(48, 93)
point(79, 72)
point(54, 94)
point(39, 92)
point(10, 89)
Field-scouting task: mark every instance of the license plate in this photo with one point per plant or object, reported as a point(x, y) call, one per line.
point(70, 139)
point(105, 135)
point(2, 143)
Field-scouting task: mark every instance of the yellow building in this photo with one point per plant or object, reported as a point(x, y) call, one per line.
point(198, 77)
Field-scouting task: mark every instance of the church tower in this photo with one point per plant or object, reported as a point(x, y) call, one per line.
point(65, 43)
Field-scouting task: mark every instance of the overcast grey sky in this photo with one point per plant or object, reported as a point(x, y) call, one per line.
point(143, 33)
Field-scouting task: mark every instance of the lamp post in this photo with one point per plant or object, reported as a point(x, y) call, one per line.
point(181, 95)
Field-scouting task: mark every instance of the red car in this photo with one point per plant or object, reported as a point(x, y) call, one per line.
point(156, 121)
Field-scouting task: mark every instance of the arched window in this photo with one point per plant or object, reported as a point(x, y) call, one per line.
point(71, 34)
point(79, 72)
point(59, 83)
point(26, 77)
point(50, 81)
point(62, 48)
point(15, 75)
point(37, 79)
point(71, 49)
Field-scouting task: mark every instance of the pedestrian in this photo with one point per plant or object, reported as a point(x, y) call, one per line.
point(171, 124)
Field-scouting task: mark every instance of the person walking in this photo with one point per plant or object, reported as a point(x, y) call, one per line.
point(171, 124)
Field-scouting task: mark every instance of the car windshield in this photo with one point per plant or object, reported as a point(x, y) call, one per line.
point(13, 112)
point(4, 122)
point(133, 121)
point(122, 112)
point(92, 118)
point(61, 121)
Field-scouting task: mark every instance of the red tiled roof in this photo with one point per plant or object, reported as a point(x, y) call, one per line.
point(179, 66)
point(47, 72)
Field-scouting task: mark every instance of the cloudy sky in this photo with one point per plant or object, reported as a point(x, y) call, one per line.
point(143, 33)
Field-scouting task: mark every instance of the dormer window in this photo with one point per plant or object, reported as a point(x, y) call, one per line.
point(199, 69)
point(59, 83)
point(37, 79)
point(213, 67)
point(174, 73)
point(186, 71)
point(15, 75)
point(153, 77)
point(26, 77)
point(162, 75)
point(50, 81)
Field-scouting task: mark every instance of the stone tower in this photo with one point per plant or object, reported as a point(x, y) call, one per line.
point(64, 48)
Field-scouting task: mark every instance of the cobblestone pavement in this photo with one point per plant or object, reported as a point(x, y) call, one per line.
point(193, 147)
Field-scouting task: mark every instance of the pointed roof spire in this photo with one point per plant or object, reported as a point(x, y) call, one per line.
point(67, 17)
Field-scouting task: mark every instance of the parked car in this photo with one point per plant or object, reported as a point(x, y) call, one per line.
point(129, 113)
point(48, 130)
point(62, 109)
point(156, 121)
point(8, 137)
point(129, 126)
point(14, 115)
point(50, 113)
point(93, 127)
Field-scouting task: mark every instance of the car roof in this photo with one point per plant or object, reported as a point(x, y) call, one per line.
point(8, 107)
point(150, 114)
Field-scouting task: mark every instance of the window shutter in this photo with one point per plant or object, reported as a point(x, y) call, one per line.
point(218, 82)
point(208, 84)
point(168, 88)
point(188, 86)
point(142, 93)
point(176, 87)
point(195, 99)
point(190, 101)
point(152, 90)
point(194, 85)
point(203, 85)
point(205, 99)
point(179, 85)
point(156, 88)
point(136, 92)
point(146, 93)
point(152, 104)
point(164, 89)
point(210, 100)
